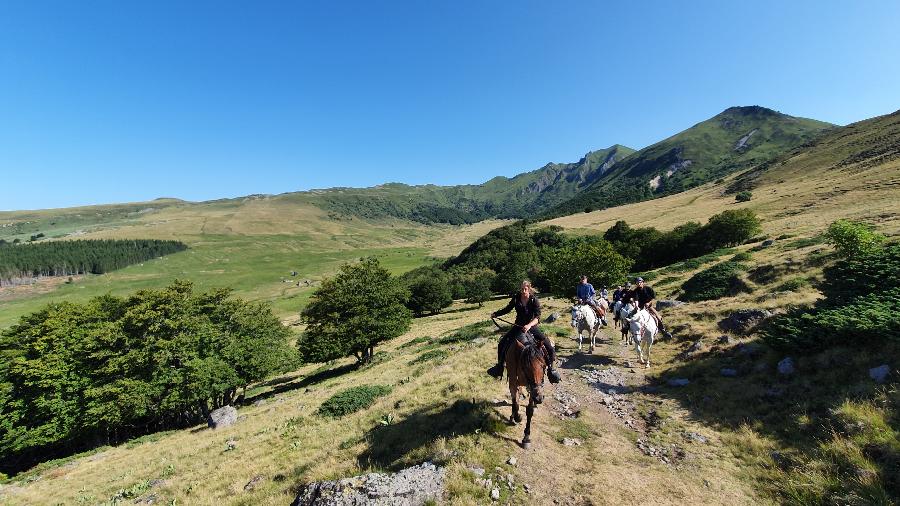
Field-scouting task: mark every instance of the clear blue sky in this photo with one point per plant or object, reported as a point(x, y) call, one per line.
point(115, 101)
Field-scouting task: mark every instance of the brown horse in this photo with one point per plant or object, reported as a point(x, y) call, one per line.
point(525, 365)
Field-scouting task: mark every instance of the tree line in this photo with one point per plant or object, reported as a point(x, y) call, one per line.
point(498, 261)
point(74, 376)
point(67, 258)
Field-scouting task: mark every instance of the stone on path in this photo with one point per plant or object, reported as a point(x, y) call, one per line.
point(571, 441)
point(411, 486)
point(744, 320)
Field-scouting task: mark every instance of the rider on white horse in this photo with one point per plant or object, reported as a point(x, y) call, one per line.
point(646, 299)
point(585, 293)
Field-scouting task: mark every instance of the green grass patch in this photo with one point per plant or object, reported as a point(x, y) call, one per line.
point(430, 355)
point(418, 340)
point(352, 400)
point(466, 334)
point(793, 285)
point(743, 256)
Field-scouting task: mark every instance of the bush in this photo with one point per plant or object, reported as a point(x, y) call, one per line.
point(352, 400)
point(732, 227)
point(428, 356)
point(718, 281)
point(862, 303)
point(793, 284)
point(851, 238)
point(743, 256)
point(467, 333)
point(743, 196)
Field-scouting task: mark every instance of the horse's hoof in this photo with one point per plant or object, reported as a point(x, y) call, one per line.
point(526, 445)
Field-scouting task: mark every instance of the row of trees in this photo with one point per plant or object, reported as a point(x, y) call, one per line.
point(73, 376)
point(651, 248)
point(66, 258)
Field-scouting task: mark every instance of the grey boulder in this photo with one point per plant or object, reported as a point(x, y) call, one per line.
point(225, 416)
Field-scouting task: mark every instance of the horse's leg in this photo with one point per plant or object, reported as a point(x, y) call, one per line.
point(529, 412)
point(514, 394)
point(649, 344)
point(580, 337)
point(637, 347)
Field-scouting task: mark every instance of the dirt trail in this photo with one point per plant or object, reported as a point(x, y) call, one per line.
point(614, 453)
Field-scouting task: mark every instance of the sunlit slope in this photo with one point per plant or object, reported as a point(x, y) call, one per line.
point(735, 139)
point(250, 244)
point(850, 172)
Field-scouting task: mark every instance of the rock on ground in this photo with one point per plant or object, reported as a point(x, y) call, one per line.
point(412, 486)
point(786, 366)
point(666, 303)
point(744, 320)
point(223, 417)
point(552, 317)
point(880, 373)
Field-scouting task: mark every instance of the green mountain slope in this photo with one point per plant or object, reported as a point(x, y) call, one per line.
point(500, 197)
point(735, 139)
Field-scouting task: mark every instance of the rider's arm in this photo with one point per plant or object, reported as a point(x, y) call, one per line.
point(509, 307)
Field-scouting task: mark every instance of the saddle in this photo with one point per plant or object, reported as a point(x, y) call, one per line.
point(526, 339)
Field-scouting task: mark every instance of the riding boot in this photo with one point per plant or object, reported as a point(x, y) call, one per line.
point(497, 370)
point(552, 373)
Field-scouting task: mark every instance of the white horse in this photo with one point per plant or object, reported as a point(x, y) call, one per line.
point(621, 312)
point(584, 318)
point(643, 329)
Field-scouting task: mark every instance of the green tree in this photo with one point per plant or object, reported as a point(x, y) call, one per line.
point(731, 227)
point(350, 313)
point(852, 238)
point(592, 256)
point(743, 196)
point(479, 290)
point(430, 294)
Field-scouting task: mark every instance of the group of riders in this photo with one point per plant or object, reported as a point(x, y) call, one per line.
point(528, 315)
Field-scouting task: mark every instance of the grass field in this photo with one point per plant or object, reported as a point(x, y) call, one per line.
point(249, 246)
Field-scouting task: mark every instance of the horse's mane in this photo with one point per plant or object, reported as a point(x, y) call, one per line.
point(531, 352)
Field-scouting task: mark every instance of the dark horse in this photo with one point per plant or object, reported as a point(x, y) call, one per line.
point(525, 365)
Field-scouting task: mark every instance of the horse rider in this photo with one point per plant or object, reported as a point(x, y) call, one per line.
point(528, 315)
point(604, 294)
point(646, 299)
point(617, 294)
point(585, 294)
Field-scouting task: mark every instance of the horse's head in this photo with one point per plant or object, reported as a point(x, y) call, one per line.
point(576, 315)
point(533, 367)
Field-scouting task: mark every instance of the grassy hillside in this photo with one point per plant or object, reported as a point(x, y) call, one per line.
point(735, 139)
point(500, 197)
point(249, 244)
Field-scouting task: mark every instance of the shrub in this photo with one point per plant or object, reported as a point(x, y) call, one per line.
point(793, 284)
point(352, 400)
point(851, 238)
point(429, 355)
point(862, 303)
point(743, 256)
point(715, 282)
point(732, 227)
point(743, 196)
point(467, 333)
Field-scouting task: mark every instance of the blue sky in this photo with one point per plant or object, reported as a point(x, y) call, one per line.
point(113, 101)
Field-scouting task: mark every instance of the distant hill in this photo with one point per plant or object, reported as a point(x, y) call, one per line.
point(733, 140)
point(500, 197)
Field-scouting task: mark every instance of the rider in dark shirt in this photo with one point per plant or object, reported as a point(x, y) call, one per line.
point(528, 314)
point(646, 299)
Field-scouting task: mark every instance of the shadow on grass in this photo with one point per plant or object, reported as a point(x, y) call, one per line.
point(805, 413)
point(577, 360)
point(304, 382)
point(407, 442)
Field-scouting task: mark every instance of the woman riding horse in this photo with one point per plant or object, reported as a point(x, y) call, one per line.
point(528, 314)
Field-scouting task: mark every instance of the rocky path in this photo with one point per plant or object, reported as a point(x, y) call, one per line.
point(598, 439)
